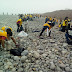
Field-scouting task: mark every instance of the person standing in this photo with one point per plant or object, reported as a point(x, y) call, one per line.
point(19, 25)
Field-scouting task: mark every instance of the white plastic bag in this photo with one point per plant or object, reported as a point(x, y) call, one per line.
point(22, 34)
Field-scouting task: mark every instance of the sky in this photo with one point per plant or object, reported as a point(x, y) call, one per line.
point(33, 6)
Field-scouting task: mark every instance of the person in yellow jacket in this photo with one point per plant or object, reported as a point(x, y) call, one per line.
point(50, 18)
point(64, 25)
point(60, 23)
point(30, 17)
point(6, 35)
point(48, 25)
point(19, 25)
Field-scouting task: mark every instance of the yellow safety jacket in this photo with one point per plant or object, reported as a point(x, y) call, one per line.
point(20, 21)
point(3, 33)
point(5, 28)
point(50, 18)
point(30, 16)
point(46, 24)
point(59, 25)
point(65, 24)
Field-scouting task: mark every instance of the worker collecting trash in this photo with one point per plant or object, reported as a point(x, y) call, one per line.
point(6, 37)
point(48, 25)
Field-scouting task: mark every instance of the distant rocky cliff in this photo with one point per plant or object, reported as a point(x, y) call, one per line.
point(59, 14)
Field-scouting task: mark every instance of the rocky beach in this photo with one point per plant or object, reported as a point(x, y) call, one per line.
point(50, 54)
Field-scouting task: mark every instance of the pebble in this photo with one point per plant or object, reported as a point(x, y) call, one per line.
point(1, 63)
point(67, 69)
point(1, 70)
point(23, 58)
point(25, 52)
point(70, 70)
point(20, 70)
point(16, 58)
point(13, 70)
point(62, 65)
point(65, 44)
point(36, 54)
point(52, 65)
point(40, 71)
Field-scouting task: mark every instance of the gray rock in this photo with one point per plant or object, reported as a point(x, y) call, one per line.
point(52, 65)
point(58, 68)
point(23, 58)
point(70, 70)
point(13, 70)
point(52, 41)
point(20, 70)
point(16, 58)
point(25, 52)
point(1, 63)
point(71, 66)
point(40, 71)
point(67, 69)
point(62, 65)
point(1, 70)
point(36, 54)
point(65, 44)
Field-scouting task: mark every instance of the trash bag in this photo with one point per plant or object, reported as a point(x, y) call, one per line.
point(22, 34)
point(16, 52)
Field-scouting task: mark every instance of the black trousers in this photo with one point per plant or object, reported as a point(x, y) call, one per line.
point(44, 28)
point(19, 28)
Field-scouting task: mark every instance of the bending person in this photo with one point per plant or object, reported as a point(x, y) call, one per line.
point(45, 26)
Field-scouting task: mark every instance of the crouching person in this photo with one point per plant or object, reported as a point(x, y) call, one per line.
point(48, 26)
point(5, 37)
point(68, 35)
